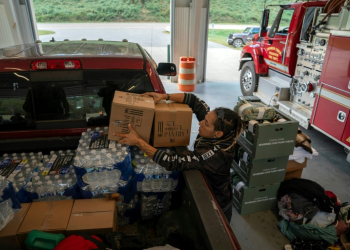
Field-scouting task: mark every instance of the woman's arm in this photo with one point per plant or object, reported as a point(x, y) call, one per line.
point(199, 107)
point(185, 160)
point(178, 97)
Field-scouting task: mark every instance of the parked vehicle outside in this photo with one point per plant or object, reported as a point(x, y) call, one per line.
point(240, 39)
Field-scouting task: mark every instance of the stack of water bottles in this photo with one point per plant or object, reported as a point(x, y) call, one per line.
point(155, 204)
point(150, 176)
point(154, 183)
point(102, 166)
point(54, 179)
point(9, 205)
point(128, 212)
point(18, 169)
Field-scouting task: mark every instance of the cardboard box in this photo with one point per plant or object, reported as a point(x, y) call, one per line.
point(262, 171)
point(45, 216)
point(172, 125)
point(8, 239)
point(256, 199)
point(295, 169)
point(93, 216)
point(134, 109)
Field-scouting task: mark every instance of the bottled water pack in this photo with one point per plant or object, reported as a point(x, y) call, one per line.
point(102, 164)
point(127, 212)
point(150, 176)
point(55, 176)
point(18, 168)
point(6, 206)
point(154, 205)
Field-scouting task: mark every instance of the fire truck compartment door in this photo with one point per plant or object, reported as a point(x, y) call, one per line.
point(346, 135)
point(332, 114)
point(336, 68)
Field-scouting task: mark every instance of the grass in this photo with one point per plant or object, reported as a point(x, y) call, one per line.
point(45, 32)
point(221, 11)
point(218, 36)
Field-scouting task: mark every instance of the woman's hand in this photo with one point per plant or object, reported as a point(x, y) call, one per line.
point(130, 139)
point(156, 96)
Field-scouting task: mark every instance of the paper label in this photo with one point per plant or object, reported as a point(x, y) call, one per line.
point(9, 167)
point(99, 140)
point(58, 165)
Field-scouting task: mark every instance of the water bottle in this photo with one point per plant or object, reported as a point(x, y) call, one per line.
point(156, 180)
point(166, 181)
point(29, 187)
point(40, 189)
point(147, 181)
point(60, 188)
point(50, 190)
point(6, 213)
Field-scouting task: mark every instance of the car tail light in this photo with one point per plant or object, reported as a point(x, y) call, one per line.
point(55, 64)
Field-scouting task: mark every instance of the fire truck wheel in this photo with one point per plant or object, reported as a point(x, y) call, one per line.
point(248, 79)
point(237, 43)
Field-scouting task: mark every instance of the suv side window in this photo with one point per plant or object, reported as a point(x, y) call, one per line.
point(255, 31)
point(282, 23)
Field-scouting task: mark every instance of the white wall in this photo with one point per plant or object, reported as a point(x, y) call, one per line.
point(189, 33)
point(16, 26)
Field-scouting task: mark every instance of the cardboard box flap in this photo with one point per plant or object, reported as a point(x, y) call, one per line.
point(93, 205)
point(132, 99)
point(12, 227)
point(98, 220)
point(172, 106)
point(46, 216)
point(293, 165)
point(24, 209)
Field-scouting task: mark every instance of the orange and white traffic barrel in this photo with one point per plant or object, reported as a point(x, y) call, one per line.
point(187, 76)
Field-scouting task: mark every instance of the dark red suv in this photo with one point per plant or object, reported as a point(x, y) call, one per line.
point(51, 92)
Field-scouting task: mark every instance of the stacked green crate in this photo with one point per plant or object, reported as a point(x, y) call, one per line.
point(261, 162)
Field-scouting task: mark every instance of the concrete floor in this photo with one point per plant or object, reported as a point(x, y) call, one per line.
point(330, 169)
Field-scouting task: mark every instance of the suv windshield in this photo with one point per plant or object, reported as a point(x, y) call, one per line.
point(246, 30)
point(45, 100)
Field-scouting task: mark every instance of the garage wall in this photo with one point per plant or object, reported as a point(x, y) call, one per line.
point(189, 31)
point(8, 28)
point(181, 46)
point(17, 22)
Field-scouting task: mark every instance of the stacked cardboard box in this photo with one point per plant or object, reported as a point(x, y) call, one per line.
point(171, 121)
point(262, 165)
point(66, 217)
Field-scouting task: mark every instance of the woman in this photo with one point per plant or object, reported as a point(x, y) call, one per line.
point(213, 149)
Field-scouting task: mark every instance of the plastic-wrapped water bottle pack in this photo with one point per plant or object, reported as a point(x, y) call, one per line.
point(102, 166)
point(154, 205)
point(150, 176)
point(54, 179)
point(18, 168)
point(128, 212)
point(9, 205)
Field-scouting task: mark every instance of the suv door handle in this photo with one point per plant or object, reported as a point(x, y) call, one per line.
point(283, 42)
point(270, 42)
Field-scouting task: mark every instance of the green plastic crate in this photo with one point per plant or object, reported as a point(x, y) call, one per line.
point(270, 139)
point(262, 171)
point(256, 199)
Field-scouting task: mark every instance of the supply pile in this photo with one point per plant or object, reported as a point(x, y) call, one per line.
point(262, 152)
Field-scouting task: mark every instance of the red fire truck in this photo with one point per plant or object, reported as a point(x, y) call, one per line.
point(301, 66)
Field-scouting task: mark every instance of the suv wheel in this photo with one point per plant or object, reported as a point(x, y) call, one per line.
point(248, 79)
point(229, 42)
point(237, 43)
